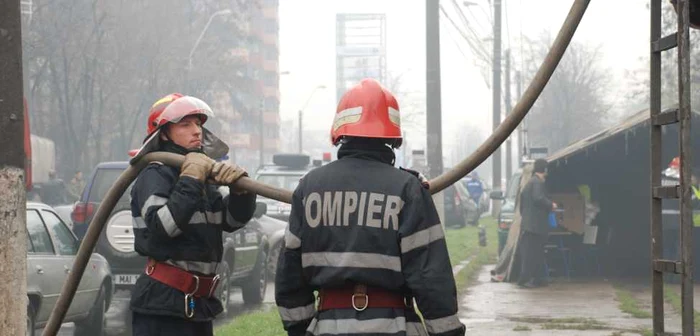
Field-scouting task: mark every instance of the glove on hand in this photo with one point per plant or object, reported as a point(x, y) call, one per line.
point(226, 173)
point(197, 166)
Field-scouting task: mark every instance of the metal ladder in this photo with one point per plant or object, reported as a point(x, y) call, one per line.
point(681, 115)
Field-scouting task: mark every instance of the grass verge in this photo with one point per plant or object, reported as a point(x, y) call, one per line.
point(266, 322)
point(521, 328)
point(461, 243)
point(629, 304)
point(576, 323)
point(480, 255)
point(674, 299)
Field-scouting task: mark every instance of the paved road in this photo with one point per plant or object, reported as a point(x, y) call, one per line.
point(116, 315)
point(581, 307)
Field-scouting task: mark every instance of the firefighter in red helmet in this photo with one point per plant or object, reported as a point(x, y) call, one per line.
point(178, 219)
point(366, 236)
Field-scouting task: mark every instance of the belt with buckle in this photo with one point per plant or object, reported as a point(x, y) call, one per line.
point(361, 297)
point(184, 281)
point(191, 284)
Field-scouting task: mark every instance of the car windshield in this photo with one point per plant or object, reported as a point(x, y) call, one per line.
point(288, 182)
point(104, 178)
point(512, 191)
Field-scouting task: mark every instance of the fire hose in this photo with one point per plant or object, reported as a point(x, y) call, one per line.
point(436, 185)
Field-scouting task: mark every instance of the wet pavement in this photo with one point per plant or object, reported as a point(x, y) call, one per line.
point(565, 307)
point(116, 316)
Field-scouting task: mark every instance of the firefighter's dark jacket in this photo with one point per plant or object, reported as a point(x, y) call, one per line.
point(535, 207)
point(361, 220)
point(180, 220)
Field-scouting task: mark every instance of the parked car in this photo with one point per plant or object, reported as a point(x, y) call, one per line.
point(452, 204)
point(245, 251)
point(64, 211)
point(51, 250)
point(469, 210)
point(507, 214)
point(285, 172)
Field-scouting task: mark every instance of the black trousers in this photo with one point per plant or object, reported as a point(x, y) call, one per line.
point(531, 257)
point(157, 325)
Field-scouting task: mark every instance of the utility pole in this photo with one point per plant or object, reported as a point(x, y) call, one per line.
point(434, 110)
point(13, 237)
point(301, 147)
point(496, 97)
point(509, 142)
point(521, 132)
point(262, 131)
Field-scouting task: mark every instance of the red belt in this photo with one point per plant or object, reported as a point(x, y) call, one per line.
point(361, 297)
point(186, 282)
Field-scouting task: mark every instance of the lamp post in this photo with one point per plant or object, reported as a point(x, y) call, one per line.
point(301, 114)
point(196, 43)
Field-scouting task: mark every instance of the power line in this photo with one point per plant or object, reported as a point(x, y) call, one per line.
point(522, 62)
point(475, 19)
point(475, 35)
point(479, 52)
point(505, 9)
point(452, 37)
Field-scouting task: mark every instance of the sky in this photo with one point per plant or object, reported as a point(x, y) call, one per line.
point(307, 52)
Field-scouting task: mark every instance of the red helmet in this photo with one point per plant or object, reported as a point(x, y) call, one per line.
point(173, 107)
point(368, 110)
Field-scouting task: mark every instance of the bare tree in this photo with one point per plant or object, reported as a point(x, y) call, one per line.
point(94, 67)
point(574, 103)
point(469, 139)
point(411, 104)
point(638, 79)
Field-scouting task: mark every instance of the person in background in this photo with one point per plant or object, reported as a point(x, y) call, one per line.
point(535, 207)
point(475, 188)
point(53, 192)
point(76, 186)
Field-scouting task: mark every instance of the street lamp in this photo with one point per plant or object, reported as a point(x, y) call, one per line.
point(196, 43)
point(301, 113)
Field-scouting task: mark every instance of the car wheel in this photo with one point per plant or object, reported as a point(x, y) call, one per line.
point(223, 290)
point(93, 325)
point(272, 260)
point(31, 320)
point(255, 286)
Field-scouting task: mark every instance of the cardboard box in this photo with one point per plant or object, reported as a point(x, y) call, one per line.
point(573, 216)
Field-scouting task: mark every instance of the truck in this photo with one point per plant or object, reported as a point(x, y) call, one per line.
point(40, 154)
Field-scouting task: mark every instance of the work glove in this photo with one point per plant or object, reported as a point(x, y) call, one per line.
point(224, 173)
point(197, 166)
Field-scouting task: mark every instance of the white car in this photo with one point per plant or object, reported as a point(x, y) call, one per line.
point(51, 250)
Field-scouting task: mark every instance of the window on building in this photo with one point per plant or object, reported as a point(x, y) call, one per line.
point(271, 78)
point(271, 131)
point(270, 53)
point(271, 26)
point(272, 104)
